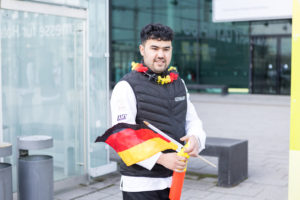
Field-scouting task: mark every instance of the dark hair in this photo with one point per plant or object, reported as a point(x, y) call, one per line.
point(156, 31)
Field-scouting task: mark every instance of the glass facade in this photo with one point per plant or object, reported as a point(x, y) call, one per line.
point(204, 52)
point(271, 57)
point(54, 82)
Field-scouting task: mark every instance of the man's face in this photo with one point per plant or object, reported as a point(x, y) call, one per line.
point(157, 54)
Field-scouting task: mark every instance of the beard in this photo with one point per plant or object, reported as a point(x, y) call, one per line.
point(160, 62)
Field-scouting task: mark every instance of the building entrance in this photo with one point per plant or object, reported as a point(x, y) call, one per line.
point(270, 64)
point(54, 82)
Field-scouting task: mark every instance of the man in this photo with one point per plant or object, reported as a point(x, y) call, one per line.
point(154, 93)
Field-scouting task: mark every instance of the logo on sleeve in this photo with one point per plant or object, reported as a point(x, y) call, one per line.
point(121, 117)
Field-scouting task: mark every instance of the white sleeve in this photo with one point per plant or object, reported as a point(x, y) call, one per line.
point(123, 104)
point(123, 109)
point(193, 125)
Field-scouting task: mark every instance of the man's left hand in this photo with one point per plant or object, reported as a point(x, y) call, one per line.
point(193, 148)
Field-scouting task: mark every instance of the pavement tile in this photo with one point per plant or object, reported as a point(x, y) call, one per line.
point(213, 196)
point(213, 181)
point(112, 189)
point(106, 181)
point(268, 178)
point(112, 198)
point(198, 184)
point(191, 193)
point(243, 189)
point(76, 192)
point(93, 196)
point(190, 198)
point(116, 196)
point(273, 193)
point(235, 197)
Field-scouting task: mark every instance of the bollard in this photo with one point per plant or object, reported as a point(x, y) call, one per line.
point(35, 172)
point(5, 173)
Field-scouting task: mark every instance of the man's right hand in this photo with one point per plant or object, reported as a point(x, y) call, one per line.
point(172, 161)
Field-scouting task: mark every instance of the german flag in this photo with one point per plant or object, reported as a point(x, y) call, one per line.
point(135, 143)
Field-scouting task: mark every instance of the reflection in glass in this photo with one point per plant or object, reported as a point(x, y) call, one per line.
point(264, 65)
point(98, 79)
point(273, 27)
point(204, 52)
point(42, 84)
point(285, 65)
point(271, 64)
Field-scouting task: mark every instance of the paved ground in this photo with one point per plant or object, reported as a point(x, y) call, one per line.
point(262, 120)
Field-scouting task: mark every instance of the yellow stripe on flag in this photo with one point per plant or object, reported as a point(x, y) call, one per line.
point(145, 150)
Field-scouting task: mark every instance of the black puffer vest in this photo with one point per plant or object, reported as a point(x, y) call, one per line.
point(164, 106)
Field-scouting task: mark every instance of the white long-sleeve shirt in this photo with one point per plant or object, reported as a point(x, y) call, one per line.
point(123, 109)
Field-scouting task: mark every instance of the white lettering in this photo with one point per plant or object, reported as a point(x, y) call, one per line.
point(10, 31)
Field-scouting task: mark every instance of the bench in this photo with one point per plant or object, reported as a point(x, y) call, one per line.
point(232, 159)
point(224, 88)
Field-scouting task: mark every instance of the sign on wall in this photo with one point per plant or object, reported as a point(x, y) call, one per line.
point(251, 10)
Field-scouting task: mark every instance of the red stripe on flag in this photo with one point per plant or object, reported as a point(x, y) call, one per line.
point(128, 138)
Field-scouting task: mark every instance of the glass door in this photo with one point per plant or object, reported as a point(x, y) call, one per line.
point(285, 65)
point(271, 60)
point(43, 84)
point(54, 70)
point(264, 52)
